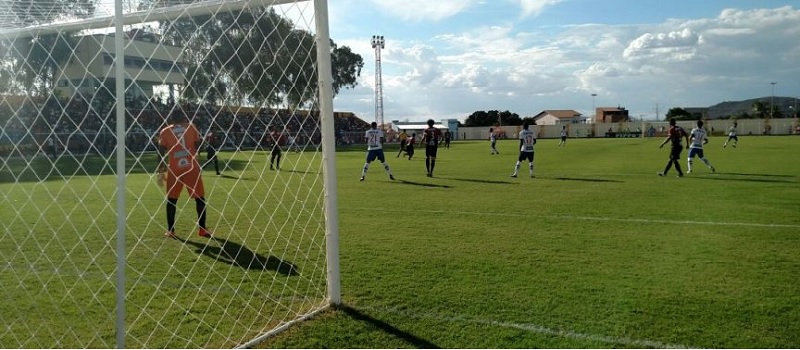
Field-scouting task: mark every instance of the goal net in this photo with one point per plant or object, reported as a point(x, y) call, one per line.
point(86, 88)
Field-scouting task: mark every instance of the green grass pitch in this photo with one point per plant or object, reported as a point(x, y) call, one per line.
point(596, 251)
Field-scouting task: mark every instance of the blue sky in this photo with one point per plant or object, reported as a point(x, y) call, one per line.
point(449, 58)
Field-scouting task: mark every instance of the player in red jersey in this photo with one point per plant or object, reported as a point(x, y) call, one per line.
point(676, 135)
point(430, 138)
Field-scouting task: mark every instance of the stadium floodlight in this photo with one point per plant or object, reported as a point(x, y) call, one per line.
point(378, 43)
point(83, 99)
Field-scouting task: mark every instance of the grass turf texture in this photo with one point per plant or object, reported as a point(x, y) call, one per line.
point(595, 252)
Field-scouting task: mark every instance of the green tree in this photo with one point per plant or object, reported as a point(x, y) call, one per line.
point(760, 109)
point(492, 118)
point(38, 59)
point(29, 64)
point(509, 118)
point(480, 118)
point(255, 57)
point(776, 112)
point(679, 114)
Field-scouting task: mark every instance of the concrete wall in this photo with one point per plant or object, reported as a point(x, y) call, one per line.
point(746, 127)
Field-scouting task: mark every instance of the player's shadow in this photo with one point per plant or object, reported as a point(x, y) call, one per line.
point(222, 175)
point(771, 175)
point(483, 181)
point(585, 180)
point(422, 184)
point(742, 179)
point(300, 171)
point(412, 340)
point(237, 254)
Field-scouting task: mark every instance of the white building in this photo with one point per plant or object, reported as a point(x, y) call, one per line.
point(148, 62)
point(559, 117)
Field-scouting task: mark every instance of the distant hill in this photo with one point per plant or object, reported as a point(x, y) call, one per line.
point(733, 108)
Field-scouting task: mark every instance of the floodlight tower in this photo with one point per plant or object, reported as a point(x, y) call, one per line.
point(772, 100)
point(378, 43)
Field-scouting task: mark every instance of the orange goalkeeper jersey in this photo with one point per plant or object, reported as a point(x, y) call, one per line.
point(180, 141)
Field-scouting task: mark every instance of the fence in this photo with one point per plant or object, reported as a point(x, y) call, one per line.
point(786, 126)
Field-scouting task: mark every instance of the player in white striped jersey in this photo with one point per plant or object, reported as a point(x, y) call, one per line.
point(493, 141)
point(563, 136)
point(374, 138)
point(733, 135)
point(527, 138)
point(698, 138)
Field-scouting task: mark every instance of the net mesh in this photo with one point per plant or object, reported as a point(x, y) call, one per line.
point(244, 73)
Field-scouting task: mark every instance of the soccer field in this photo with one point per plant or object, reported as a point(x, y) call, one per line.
point(595, 252)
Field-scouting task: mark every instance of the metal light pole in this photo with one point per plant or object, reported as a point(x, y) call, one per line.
point(378, 43)
point(772, 101)
point(594, 109)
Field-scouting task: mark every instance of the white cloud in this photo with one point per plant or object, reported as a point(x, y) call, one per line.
point(672, 46)
point(526, 68)
point(423, 10)
point(535, 7)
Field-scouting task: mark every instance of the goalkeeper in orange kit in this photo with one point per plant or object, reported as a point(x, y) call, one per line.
point(178, 145)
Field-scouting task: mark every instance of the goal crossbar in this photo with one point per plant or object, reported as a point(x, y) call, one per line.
point(154, 15)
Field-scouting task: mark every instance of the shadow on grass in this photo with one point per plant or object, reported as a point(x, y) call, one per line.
point(406, 182)
point(411, 339)
point(482, 181)
point(585, 180)
point(770, 175)
point(300, 171)
point(237, 254)
point(40, 168)
point(739, 179)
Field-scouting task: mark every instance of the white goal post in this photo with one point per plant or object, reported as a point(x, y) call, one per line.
point(86, 88)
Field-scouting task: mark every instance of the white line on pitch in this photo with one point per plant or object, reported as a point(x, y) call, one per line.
point(638, 343)
point(594, 218)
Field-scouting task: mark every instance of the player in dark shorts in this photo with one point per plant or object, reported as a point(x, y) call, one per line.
point(278, 139)
point(430, 138)
point(676, 135)
point(410, 147)
point(403, 142)
point(447, 136)
point(212, 144)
